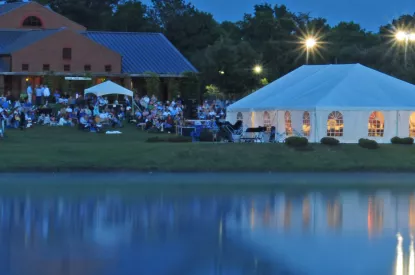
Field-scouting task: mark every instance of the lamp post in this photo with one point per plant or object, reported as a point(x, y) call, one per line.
point(310, 43)
point(405, 37)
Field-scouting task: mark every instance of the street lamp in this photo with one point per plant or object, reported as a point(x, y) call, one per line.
point(221, 72)
point(257, 69)
point(405, 37)
point(309, 44)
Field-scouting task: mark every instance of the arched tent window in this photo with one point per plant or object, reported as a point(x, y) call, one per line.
point(306, 124)
point(412, 125)
point(288, 125)
point(267, 121)
point(335, 124)
point(239, 116)
point(376, 125)
point(32, 21)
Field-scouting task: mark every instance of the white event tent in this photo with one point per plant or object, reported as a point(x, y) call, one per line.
point(109, 88)
point(347, 102)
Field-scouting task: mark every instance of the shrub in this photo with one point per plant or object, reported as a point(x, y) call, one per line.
point(368, 143)
point(398, 140)
point(206, 135)
point(296, 141)
point(178, 139)
point(155, 139)
point(329, 141)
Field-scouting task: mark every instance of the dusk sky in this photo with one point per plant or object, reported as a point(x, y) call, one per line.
point(369, 13)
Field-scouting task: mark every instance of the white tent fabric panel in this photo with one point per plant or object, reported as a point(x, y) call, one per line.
point(108, 88)
point(332, 87)
point(403, 122)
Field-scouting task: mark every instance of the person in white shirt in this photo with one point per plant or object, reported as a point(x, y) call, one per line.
point(46, 92)
point(69, 109)
point(29, 93)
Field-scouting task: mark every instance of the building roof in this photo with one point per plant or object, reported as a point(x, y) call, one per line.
point(144, 52)
point(7, 7)
point(331, 87)
point(14, 40)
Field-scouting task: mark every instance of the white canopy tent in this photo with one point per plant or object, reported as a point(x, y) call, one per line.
point(347, 102)
point(107, 88)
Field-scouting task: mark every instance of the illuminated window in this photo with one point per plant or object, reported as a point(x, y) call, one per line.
point(412, 125)
point(267, 121)
point(335, 124)
point(376, 125)
point(306, 124)
point(239, 116)
point(32, 21)
point(288, 125)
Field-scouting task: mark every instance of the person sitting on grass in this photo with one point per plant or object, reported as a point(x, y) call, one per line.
point(168, 124)
point(64, 121)
point(84, 123)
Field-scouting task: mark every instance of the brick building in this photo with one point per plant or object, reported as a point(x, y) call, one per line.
point(37, 43)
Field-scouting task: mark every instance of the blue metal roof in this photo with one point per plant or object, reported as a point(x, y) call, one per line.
point(144, 52)
point(12, 41)
point(7, 7)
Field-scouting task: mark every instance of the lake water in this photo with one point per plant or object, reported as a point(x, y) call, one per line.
point(267, 233)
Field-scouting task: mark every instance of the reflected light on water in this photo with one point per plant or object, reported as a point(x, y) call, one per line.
point(399, 256)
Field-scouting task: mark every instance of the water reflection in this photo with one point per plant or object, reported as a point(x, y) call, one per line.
point(331, 232)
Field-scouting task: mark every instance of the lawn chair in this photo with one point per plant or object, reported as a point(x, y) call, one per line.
point(196, 133)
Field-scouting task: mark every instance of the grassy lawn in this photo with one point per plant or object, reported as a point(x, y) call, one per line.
point(65, 149)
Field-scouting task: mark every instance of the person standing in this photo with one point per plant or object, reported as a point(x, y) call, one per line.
point(46, 92)
point(29, 93)
point(39, 94)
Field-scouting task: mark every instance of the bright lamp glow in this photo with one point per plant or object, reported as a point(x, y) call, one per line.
point(412, 36)
point(257, 69)
point(401, 36)
point(310, 43)
point(221, 72)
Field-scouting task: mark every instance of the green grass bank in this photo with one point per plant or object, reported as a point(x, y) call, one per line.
point(58, 149)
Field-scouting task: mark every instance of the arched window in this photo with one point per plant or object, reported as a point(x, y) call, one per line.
point(335, 124)
point(267, 121)
point(288, 125)
point(412, 125)
point(239, 116)
point(32, 21)
point(376, 125)
point(306, 124)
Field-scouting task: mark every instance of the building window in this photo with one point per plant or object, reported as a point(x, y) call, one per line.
point(67, 67)
point(288, 124)
point(32, 21)
point(412, 125)
point(335, 124)
point(306, 124)
point(25, 67)
point(376, 125)
point(46, 67)
point(239, 116)
point(108, 68)
point(67, 53)
point(87, 68)
point(267, 121)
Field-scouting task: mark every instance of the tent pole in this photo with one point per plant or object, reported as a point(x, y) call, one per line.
point(315, 123)
point(397, 123)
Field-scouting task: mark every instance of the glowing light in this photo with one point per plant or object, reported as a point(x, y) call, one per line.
point(310, 43)
point(27, 79)
point(401, 36)
point(412, 36)
point(257, 69)
point(221, 72)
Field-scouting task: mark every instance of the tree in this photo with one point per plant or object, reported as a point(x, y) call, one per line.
point(132, 16)
point(153, 85)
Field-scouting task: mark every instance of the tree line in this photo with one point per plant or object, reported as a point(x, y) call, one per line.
point(272, 37)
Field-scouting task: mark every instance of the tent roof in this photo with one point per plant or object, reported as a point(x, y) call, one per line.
point(107, 88)
point(331, 87)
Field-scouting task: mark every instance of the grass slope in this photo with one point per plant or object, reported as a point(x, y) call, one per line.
point(66, 149)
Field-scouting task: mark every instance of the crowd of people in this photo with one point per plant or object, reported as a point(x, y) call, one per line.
point(41, 107)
